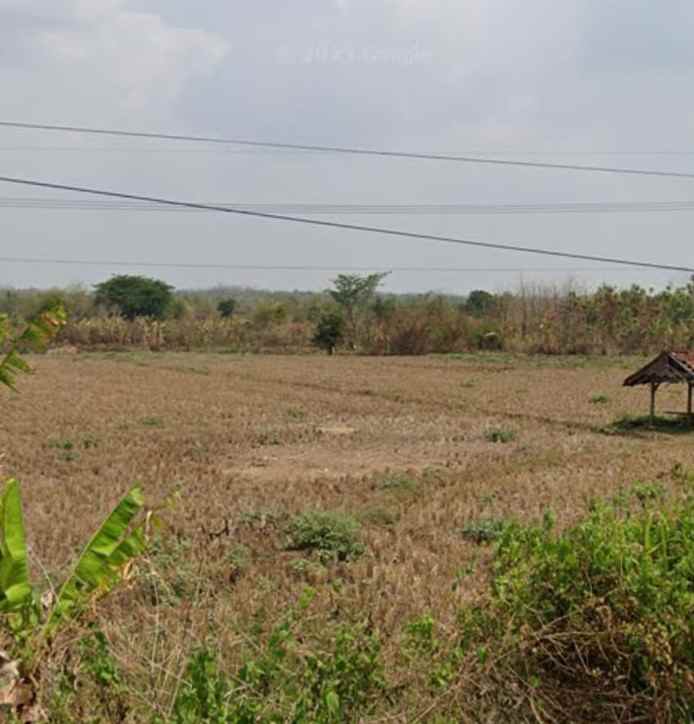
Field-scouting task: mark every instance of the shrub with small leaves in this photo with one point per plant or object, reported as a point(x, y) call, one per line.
point(332, 535)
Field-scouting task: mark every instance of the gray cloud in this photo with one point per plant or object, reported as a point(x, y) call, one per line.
point(503, 75)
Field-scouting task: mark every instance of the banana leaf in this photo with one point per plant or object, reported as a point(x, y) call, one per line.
point(39, 331)
point(102, 562)
point(15, 589)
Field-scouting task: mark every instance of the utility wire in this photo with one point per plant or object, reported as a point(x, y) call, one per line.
point(346, 150)
point(300, 267)
point(231, 151)
point(349, 227)
point(15, 202)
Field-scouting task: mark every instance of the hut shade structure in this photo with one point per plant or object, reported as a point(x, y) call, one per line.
point(667, 368)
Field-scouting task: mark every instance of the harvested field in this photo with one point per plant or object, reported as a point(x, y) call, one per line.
point(415, 449)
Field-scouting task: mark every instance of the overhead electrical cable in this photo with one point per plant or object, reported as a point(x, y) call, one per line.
point(201, 149)
point(302, 267)
point(349, 227)
point(16, 202)
point(346, 150)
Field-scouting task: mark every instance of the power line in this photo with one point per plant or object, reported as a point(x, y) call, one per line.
point(301, 267)
point(478, 151)
point(136, 149)
point(346, 150)
point(14, 202)
point(349, 227)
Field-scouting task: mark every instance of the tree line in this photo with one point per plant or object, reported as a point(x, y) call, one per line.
point(356, 316)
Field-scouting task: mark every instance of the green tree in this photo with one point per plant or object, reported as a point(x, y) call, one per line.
point(136, 296)
point(353, 293)
point(226, 307)
point(330, 331)
point(480, 303)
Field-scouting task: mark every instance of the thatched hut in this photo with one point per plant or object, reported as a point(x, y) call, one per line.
point(667, 368)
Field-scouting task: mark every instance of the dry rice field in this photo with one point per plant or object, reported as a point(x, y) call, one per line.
point(233, 446)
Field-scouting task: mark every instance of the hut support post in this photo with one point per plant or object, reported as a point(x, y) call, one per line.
point(689, 402)
point(654, 389)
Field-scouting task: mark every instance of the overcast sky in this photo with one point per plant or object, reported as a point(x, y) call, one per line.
point(578, 81)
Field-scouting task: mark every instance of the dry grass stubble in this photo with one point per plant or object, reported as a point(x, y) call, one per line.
point(241, 444)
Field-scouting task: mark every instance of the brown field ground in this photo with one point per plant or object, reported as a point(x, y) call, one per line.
point(237, 445)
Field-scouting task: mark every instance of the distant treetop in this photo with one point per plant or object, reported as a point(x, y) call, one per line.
point(135, 296)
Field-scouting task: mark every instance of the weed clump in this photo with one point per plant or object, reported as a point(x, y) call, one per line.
point(285, 680)
point(331, 535)
point(152, 422)
point(500, 435)
point(484, 530)
point(398, 482)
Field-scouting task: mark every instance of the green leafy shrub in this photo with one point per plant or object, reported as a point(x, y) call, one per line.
point(204, 693)
point(287, 681)
point(599, 400)
point(604, 612)
point(331, 535)
point(336, 686)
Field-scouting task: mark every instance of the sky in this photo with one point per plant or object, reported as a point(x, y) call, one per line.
point(598, 82)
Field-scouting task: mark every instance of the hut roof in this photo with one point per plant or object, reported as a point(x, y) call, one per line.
point(666, 368)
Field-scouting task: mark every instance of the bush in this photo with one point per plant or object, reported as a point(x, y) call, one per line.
point(409, 334)
point(329, 331)
point(226, 307)
point(331, 535)
point(603, 614)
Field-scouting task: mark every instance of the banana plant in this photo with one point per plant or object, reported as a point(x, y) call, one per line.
point(36, 335)
point(103, 564)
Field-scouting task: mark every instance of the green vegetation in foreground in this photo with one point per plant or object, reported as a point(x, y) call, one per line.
point(285, 681)
point(585, 622)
